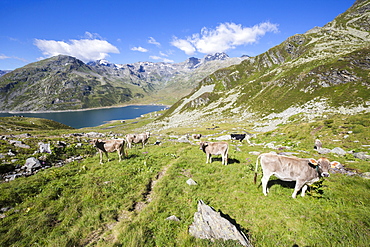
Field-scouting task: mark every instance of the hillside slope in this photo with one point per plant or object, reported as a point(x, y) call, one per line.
point(324, 70)
point(59, 83)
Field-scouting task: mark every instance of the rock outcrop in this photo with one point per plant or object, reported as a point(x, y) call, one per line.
point(209, 224)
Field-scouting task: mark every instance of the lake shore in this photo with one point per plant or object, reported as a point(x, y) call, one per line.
point(85, 109)
point(92, 117)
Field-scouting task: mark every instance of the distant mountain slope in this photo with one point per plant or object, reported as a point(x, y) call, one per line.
point(325, 69)
point(3, 72)
point(65, 83)
point(58, 83)
point(166, 82)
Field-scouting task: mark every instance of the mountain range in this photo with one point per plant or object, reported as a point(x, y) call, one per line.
point(323, 70)
point(66, 83)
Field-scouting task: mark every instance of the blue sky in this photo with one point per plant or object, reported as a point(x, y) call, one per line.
point(123, 31)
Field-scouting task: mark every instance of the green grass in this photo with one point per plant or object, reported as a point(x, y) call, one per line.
point(126, 204)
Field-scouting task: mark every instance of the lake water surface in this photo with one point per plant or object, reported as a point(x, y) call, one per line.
point(91, 118)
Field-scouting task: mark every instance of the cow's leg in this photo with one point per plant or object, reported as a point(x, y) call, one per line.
point(123, 151)
point(304, 188)
point(119, 151)
point(101, 157)
point(209, 159)
point(224, 159)
point(265, 180)
point(106, 154)
point(298, 186)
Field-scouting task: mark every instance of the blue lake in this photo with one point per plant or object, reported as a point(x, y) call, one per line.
point(92, 118)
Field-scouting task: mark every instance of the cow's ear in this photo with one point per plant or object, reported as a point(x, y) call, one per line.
point(313, 162)
point(334, 164)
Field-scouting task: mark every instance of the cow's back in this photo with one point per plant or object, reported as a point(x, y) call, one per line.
point(217, 148)
point(286, 168)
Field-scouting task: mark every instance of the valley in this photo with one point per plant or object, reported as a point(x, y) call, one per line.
point(311, 86)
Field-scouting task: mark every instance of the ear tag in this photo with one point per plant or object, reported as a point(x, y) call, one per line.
point(334, 164)
point(313, 162)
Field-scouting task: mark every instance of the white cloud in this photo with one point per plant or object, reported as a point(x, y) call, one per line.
point(184, 45)
point(141, 49)
point(89, 35)
point(153, 41)
point(163, 54)
point(155, 57)
point(84, 49)
point(226, 36)
point(3, 56)
point(166, 60)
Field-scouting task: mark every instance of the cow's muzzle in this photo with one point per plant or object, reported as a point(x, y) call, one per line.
point(325, 174)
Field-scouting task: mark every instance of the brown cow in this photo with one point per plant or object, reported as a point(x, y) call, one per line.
point(303, 171)
point(137, 138)
point(215, 148)
point(109, 147)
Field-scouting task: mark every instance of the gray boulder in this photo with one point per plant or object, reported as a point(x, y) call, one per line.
point(255, 153)
point(173, 218)
point(365, 175)
point(324, 150)
point(338, 151)
point(44, 148)
point(191, 182)
point(361, 156)
point(32, 164)
point(209, 224)
point(223, 138)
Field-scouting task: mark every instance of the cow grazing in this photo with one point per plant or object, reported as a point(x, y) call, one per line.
point(109, 147)
point(196, 136)
point(239, 137)
point(304, 171)
point(215, 148)
point(318, 144)
point(137, 138)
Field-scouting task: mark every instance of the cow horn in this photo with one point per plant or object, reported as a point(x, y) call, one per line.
point(313, 162)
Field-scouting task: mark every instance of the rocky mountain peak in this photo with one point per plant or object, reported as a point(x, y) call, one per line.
point(216, 56)
point(192, 62)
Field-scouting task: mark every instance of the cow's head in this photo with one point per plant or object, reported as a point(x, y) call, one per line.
point(203, 145)
point(323, 165)
point(95, 142)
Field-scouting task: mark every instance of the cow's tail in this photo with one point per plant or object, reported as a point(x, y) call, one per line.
point(256, 169)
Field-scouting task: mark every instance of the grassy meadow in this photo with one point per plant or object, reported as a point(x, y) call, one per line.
point(126, 203)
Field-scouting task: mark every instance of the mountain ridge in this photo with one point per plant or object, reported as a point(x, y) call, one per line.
point(325, 70)
point(99, 83)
